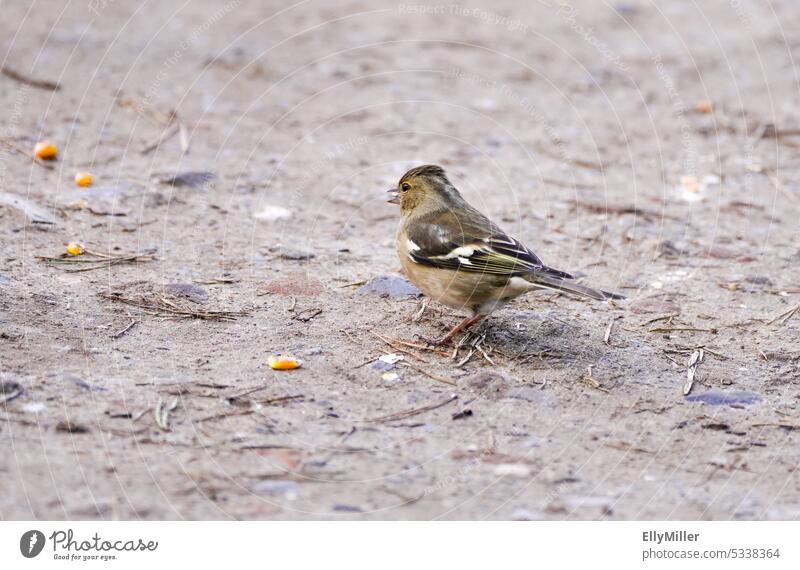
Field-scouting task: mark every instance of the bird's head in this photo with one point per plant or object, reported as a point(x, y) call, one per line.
point(424, 188)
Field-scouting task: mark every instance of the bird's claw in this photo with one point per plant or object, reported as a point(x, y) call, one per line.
point(435, 341)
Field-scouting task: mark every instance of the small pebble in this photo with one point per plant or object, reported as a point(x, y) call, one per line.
point(276, 486)
point(391, 358)
point(512, 470)
point(720, 398)
point(272, 214)
point(390, 286)
point(390, 377)
point(191, 179)
point(523, 514)
point(347, 509)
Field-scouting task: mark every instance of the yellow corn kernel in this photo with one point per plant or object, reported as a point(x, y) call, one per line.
point(83, 178)
point(45, 150)
point(283, 362)
point(74, 248)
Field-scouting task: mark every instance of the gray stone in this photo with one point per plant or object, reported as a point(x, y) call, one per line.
point(390, 286)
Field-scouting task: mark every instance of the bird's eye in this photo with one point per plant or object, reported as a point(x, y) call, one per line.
point(406, 186)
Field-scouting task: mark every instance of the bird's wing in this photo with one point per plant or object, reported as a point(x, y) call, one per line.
point(471, 243)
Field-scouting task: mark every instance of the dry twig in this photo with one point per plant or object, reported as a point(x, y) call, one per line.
point(431, 375)
point(91, 260)
point(618, 210)
point(162, 307)
point(123, 331)
point(414, 412)
point(783, 317)
point(623, 446)
point(398, 344)
point(607, 337)
point(27, 80)
point(680, 329)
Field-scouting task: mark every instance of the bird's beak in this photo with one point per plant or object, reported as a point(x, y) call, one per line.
point(395, 199)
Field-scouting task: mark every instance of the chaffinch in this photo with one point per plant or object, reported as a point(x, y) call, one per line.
point(457, 256)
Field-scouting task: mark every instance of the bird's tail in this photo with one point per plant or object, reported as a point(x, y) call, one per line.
point(569, 286)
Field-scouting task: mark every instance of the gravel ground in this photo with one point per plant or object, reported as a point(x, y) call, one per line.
point(243, 151)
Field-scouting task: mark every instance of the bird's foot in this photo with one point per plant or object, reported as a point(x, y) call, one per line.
point(418, 315)
point(447, 339)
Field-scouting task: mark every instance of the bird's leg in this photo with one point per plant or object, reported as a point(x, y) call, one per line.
point(424, 305)
point(462, 326)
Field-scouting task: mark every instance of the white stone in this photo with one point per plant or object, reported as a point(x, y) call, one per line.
point(272, 213)
point(513, 470)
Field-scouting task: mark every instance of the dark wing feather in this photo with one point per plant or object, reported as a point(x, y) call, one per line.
point(471, 243)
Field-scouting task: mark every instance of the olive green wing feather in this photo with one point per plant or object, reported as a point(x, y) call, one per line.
point(469, 242)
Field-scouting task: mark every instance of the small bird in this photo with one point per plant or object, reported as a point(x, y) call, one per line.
point(460, 258)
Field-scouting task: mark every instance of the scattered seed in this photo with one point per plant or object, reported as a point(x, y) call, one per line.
point(45, 150)
point(83, 179)
point(283, 362)
point(74, 248)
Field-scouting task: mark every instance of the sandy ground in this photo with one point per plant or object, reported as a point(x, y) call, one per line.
point(580, 127)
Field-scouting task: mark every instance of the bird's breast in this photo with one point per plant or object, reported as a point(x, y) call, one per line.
point(468, 291)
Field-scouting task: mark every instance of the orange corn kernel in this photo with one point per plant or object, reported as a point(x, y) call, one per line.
point(74, 248)
point(83, 178)
point(283, 362)
point(45, 150)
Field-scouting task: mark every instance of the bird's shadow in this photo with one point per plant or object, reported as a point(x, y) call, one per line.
point(542, 335)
